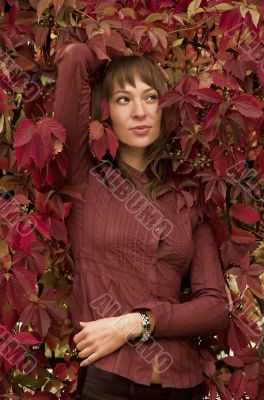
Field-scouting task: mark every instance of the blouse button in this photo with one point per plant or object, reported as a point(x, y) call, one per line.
point(153, 259)
point(143, 180)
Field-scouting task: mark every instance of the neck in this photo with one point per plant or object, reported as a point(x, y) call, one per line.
point(134, 159)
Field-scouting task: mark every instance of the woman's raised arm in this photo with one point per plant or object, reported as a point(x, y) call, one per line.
point(72, 107)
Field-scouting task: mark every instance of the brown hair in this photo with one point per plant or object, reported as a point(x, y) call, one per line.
point(124, 70)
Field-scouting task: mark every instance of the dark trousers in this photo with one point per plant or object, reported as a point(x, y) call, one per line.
point(96, 384)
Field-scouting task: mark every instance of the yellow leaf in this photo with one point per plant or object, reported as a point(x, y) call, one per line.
point(193, 7)
point(153, 17)
point(255, 16)
point(8, 183)
point(72, 20)
point(181, 18)
point(177, 42)
point(221, 7)
point(232, 283)
point(102, 9)
point(243, 10)
point(8, 130)
point(5, 255)
point(128, 11)
point(58, 146)
point(2, 118)
point(46, 79)
point(61, 23)
point(53, 36)
point(169, 73)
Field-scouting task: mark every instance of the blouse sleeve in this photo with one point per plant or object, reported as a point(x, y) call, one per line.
point(72, 107)
point(207, 312)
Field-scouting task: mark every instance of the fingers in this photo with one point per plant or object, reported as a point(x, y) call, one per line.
point(87, 351)
point(82, 334)
point(92, 358)
point(83, 344)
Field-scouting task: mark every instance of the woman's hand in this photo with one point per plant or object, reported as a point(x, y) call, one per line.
point(99, 338)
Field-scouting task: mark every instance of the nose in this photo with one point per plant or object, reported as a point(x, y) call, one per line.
point(138, 109)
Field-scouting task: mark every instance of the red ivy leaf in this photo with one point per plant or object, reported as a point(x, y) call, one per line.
point(103, 138)
point(61, 371)
point(24, 133)
point(38, 144)
point(210, 95)
point(112, 141)
point(241, 236)
point(26, 338)
point(236, 338)
point(224, 81)
point(96, 130)
point(234, 362)
point(246, 214)
point(237, 384)
point(58, 4)
point(115, 41)
point(98, 45)
point(248, 106)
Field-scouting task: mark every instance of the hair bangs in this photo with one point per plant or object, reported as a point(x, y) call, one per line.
point(124, 70)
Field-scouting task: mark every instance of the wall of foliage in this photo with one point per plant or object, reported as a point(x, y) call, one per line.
point(212, 53)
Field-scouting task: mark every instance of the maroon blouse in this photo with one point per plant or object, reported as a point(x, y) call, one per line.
point(130, 254)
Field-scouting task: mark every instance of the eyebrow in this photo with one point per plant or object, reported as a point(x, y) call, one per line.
point(125, 91)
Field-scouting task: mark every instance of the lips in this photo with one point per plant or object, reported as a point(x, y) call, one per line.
point(141, 129)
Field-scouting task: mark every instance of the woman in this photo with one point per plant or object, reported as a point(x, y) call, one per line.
point(134, 241)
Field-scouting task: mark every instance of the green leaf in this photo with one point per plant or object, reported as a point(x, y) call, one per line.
point(154, 17)
point(48, 279)
point(61, 23)
point(34, 384)
point(46, 79)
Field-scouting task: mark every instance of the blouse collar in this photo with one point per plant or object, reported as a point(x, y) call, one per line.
point(143, 178)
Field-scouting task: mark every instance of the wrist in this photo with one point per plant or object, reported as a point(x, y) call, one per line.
point(136, 325)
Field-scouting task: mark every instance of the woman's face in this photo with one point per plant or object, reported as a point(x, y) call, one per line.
point(133, 107)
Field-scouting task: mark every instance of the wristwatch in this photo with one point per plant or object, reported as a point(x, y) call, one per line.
point(146, 327)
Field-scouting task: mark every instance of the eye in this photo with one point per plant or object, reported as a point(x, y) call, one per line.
point(122, 98)
point(152, 95)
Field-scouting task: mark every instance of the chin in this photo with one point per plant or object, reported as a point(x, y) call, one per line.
point(140, 143)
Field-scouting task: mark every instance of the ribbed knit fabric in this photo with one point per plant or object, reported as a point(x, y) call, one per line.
point(130, 254)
